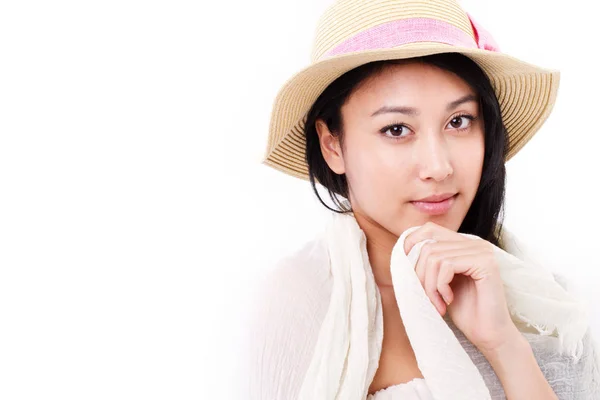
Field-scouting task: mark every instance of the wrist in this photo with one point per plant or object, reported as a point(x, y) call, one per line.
point(516, 367)
point(503, 358)
point(513, 346)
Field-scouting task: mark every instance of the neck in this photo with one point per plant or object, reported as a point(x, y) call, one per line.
point(380, 243)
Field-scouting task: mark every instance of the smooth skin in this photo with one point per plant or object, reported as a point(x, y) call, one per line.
point(410, 132)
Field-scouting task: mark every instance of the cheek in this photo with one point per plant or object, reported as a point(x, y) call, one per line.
point(470, 162)
point(375, 169)
point(367, 158)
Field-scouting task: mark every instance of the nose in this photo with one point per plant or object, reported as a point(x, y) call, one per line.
point(434, 158)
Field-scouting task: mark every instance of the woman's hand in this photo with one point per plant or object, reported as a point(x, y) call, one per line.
point(461, 275)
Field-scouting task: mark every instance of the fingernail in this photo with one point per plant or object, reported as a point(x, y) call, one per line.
point(445, 301)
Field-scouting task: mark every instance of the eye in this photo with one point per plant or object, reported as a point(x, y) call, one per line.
point(461, 122)
point(395, 131)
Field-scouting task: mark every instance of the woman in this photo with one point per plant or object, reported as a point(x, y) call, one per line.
point(406, 118)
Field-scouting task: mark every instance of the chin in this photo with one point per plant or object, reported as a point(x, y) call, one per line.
point(442, 220)
point(451, 220)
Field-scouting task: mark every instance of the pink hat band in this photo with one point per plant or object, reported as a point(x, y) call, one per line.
point(414, 30)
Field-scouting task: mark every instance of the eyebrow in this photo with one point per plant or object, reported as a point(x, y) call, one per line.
point(413, 111)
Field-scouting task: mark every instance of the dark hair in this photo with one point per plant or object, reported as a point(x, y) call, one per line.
point(484, 217)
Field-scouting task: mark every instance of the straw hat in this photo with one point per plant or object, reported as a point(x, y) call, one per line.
point(354, 32)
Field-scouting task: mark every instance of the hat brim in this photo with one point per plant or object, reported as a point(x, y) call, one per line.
point(526, 94)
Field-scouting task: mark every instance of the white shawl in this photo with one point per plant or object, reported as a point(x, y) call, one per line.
point(352, 330)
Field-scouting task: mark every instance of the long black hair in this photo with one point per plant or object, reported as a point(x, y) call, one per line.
point(484, 217)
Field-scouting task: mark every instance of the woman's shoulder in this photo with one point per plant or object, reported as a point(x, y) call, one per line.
point(296, 291)
point(305, 271)
point(578, 376)
point(287, 312)
point(571, 378)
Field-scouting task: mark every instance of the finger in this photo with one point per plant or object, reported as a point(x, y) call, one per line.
point(433, 231)
point(431, 272)
point(428, 267)
point(421, 265)
point(440, 250)
point(446, 294)
point(476, 266)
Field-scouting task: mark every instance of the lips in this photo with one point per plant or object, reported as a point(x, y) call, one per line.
point(436, 204)
point(437, 197)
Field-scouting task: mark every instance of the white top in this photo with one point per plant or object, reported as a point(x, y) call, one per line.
point(413, 390)
point(288, 311)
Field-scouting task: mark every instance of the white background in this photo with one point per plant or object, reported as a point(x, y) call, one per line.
point(135, 216)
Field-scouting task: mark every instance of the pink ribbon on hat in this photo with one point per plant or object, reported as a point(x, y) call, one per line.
point(413, 30)
point(484, 39)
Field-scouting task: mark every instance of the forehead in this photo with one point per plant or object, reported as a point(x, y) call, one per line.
point(410, 83)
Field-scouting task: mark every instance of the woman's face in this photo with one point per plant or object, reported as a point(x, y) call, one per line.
point(410, 132)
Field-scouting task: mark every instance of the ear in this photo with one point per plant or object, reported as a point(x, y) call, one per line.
point(330, 147)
